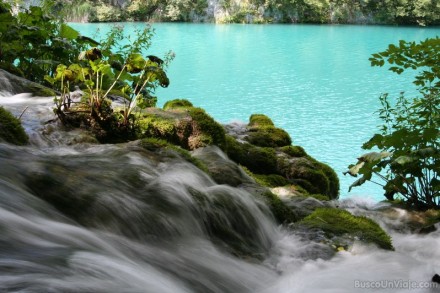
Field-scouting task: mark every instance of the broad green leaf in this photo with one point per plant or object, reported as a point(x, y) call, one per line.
point(68, 32)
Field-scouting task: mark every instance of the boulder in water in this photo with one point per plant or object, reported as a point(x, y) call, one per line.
point(11, 130)
point(12, 85)
point(338, 222)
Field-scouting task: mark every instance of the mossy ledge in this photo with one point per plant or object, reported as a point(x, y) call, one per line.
point(11, 130)
point(269, 155)
point(337, 222)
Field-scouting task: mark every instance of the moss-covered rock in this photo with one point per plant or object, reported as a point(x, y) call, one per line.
point(313, 176)
point(177, 104)
point(221, 169)
point(17, 85)
point(280, 210)
point(337, 222)
point(293, 151)
point(11, 130)
point(267, 152)
point(189, 129)
point(269, 137)
point(157, 145)
point(159, 127)
point(62, 193)
point(206, 130)
point(257, 159)
point(260, 121)
point(263, 133)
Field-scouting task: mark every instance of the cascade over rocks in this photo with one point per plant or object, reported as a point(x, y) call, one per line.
point(11, 84)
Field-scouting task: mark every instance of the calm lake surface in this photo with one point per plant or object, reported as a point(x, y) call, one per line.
point(315, 81)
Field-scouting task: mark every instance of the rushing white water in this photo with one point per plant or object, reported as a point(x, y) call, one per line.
point(117, 218)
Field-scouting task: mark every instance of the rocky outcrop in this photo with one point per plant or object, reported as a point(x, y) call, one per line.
point(11, 84)
point(11, 130)
point(270, 154)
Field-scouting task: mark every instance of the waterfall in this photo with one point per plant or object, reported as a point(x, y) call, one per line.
point(118, 218)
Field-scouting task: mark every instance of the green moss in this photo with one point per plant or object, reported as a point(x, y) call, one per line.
point(40, 91)
point(269, 137)
point(157, 127)
point(313, 176)
point(271, 180)
point(283, 214)
point(11, 130)
point(154, 144)
point(320, 197)
point(177, 104)
point(260, 120)
point(294, 151)
point(333, 180)
point(263, 133)
point(259, 160)
point(337, 222)
point(209, 126)
point(189, 158)
point(62, 194)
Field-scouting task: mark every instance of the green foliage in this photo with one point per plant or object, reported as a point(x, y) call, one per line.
point(34, 42)
point(177, 104)
point(11, 130)
point(113, 68)
point(337, 222)
point(409, 140)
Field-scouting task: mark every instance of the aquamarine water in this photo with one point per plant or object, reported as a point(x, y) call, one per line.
point(315, 81)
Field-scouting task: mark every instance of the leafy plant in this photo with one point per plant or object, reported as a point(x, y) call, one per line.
point(117, 67)
point(34, 43)
point(409, 140)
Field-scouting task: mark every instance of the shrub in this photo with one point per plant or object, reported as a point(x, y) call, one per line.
point(409, 141)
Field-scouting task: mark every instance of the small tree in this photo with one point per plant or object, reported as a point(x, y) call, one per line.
point(408, 161)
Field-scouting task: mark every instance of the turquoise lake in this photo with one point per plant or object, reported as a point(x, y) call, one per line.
point(315, 81)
